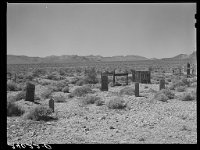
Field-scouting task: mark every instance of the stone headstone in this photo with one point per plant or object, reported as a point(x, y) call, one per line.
point(162, 84)
point(104, 82)
point(30, 92)
point(136, 89)
point(51, 104)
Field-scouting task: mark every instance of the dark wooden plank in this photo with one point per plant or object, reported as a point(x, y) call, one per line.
point(121, 74)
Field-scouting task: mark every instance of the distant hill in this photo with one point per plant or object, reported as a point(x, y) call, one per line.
point(14, 59)
point(191, 57)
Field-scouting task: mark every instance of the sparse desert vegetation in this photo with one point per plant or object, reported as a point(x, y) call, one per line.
point(85, 114)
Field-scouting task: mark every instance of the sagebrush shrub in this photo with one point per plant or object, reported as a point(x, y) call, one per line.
point(181, 88)
point(53, 76)
point(59, 99)
point(80, 82)
point(19, 96)
point(13, 109)
point(127, 91)
point(194, 84)
point(168, 93)
point(59, 85)
point(29, 76)
point(47, 93)
point(188, 97)
point(111, 84)
point(73, 80)
point(38, 113)
point(164, 94)
point(81, 91)
point(178, 83)
point(116, 103)
point(91, 76)
point(99, 102)
point(152, 90)
point(38, 72)
point(12, 86)
point(65, 89)
point(161, 97)
point(62, 72)
point(90, 99)
point(185, 81)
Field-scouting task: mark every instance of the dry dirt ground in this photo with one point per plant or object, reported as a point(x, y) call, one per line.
point(144, 121)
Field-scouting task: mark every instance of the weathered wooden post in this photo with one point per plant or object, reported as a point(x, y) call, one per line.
point(104, 82)
point(15, 78)
point(149, 77)
point(133, 75)
point(180, 71)
point(162, 84)
point(193, 70)
point(137, 89)
point(188, 70)
point(51, 104)
point(127, 79)
point(113, 77)
point(30, 92)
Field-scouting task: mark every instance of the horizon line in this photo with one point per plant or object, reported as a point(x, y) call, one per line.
point(98, 55)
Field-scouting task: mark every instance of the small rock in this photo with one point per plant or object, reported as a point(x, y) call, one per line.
point(111, 127)
point(87, 129)
point(103, 117)
point(141, 139)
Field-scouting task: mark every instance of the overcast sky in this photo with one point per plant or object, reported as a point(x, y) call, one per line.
point(149, 30)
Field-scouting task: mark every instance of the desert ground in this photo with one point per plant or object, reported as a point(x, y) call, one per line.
point(95, 116)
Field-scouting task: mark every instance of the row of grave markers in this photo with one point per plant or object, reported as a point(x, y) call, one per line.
point(137, 76)
point(30, 92)
point(30, 87)
point(30, 95)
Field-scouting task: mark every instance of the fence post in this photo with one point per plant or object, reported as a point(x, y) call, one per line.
point(127, 79)
point(133, 75)
point(114, 78)
point(188, 70)
point(136, 89)
point(15, 78)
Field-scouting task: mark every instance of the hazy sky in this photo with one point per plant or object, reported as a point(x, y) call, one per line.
point(149, 30)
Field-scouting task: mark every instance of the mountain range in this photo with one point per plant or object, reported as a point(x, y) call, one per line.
point(15, 59)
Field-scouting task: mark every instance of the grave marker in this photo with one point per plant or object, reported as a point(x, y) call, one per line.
point(104, 82)
point(30, 92)
point(162, 84)
point(51, 104)
point(136, 89)
point(188, 70)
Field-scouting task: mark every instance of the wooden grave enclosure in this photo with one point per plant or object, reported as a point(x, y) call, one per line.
point(141, 76)
point(190, 70)
point(116, 74)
